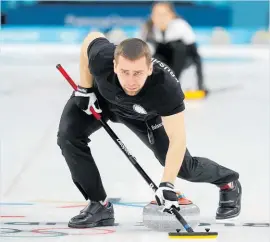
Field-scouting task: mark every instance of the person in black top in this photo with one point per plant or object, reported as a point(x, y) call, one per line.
point(126, 85)
point(173, 41)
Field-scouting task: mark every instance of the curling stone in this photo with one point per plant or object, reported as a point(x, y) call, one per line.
point(155, 219)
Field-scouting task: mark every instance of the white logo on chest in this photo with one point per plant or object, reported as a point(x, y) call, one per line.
point(139, 109)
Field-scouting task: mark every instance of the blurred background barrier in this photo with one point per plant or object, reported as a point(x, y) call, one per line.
point(216, 23)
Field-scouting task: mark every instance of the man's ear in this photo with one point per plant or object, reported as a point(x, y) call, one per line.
point(114, 66)
point(150, 70)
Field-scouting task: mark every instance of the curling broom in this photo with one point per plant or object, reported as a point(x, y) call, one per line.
point(190, 234)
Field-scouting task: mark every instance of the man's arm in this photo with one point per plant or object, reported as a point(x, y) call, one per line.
point(86, 79)
point(175, 129)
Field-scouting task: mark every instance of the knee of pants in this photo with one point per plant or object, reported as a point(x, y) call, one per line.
point(235, 176)
point(62, 140)
point(65, 140)
point(188, 63)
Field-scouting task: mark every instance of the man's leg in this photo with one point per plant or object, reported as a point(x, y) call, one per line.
point(73, 137)
point(195, 169)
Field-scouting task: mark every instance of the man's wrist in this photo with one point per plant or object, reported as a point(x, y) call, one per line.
point(168, 178)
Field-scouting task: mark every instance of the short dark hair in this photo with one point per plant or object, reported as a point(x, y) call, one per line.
point(133, 49)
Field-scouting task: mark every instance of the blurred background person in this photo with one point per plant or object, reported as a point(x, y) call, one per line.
point(173, 41)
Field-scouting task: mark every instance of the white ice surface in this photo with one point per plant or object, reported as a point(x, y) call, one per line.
point(230, 127)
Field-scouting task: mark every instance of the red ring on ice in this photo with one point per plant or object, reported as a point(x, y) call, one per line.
point(101, 231)
point(11, 216)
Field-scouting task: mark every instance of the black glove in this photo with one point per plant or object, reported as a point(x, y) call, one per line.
point(86, 98)
point(166, 196)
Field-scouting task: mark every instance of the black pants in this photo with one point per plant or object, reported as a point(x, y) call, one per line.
point(73, 138)
point(179, 57)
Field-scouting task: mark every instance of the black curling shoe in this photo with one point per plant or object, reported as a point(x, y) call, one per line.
point(229, 202)
point(94, 215)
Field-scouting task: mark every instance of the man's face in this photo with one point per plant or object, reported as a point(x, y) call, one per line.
point(132, 74)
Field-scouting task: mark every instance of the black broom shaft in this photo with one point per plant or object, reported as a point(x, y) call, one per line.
point(131, 158)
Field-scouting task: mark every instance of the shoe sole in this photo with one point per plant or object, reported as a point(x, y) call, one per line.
point(102, 223)
point(228, 217)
